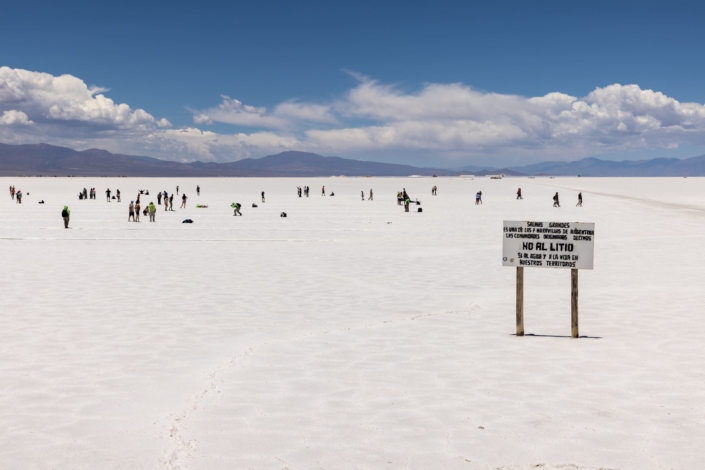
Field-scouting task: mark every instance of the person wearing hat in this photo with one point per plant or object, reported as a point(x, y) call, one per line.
point(66, 213)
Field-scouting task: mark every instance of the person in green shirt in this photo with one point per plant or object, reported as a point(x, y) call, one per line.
point(236, 207)
point(66, 213)
point(152, 212)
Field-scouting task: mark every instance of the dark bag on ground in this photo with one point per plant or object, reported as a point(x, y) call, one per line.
point(420, 209)
point(187, 221)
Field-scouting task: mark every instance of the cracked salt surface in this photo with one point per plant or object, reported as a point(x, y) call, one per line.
point(140, 346)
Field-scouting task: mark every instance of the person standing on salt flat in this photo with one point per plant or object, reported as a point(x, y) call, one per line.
point(477, 198)
point(198, 190)
point(171, 202)
point(370, 198)
point(131, 212)
point(12, 192)
point(519, 194)
point(166, 203)
point(323, 191)
point(117, 193)
point(556, 202)
point(580, 200)
point(107, 194)
point(137, 210)
point(152, 212)
point(183, 201)
point(159, 198)
point(362, 193)
point(262, 196)
point(18, 196)
point(66, 213)
point(177, 190)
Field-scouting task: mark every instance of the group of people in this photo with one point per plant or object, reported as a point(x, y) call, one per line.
point(478, 198)
point(88, 194)
point(362, 193)
point(108, 193)
point(169, 200)
point(304, 190)
point(151, 209)
point(434, 191)
point(16, 195)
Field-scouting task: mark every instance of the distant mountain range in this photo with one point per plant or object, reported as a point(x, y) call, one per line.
point(50, 160)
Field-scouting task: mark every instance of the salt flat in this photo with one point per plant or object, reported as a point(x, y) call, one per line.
point(350, 334)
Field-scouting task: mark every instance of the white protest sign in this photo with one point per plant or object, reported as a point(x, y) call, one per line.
point(567, 245)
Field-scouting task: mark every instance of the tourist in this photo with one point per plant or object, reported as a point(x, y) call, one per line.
point(183, 201)
point(132, 211)
point(66, 213)
point(556, 202)
point(152, 212)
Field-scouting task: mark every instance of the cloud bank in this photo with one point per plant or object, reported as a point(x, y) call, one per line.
point(443, 122)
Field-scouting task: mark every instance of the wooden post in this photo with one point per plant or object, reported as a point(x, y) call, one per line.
point(574, 303)
point(520, 301)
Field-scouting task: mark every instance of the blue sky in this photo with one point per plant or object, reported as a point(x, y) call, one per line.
point(329, 63)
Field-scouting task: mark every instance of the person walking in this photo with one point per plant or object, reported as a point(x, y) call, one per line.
point(18, 196)
point(556, 202)
point(131, 212)
point(66, 213)
point(580, 200)
point(183, 201)
point(262, 196)
point(171, 202)
point(117, 193)
point(107, 193)
point(519, 194)
point(370, 198)
point(198, 190)
point(236, 207)
point(152, 212)
point(362, 194)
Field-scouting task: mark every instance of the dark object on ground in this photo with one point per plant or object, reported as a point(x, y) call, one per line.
point(187, 221)
point(113, 197)
point(420, 209)
point(332, 194)
point(41, 202)
point(283, 214)
point(254, 205)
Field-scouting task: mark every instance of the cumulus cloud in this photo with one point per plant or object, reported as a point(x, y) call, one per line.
point(14, 117)
point(66, 100)
point(287, 115)
point(436, 120)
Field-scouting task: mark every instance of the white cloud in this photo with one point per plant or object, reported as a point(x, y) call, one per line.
point(14, 117)
point(287, 115)
point(65, 100)
point(436, 120)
